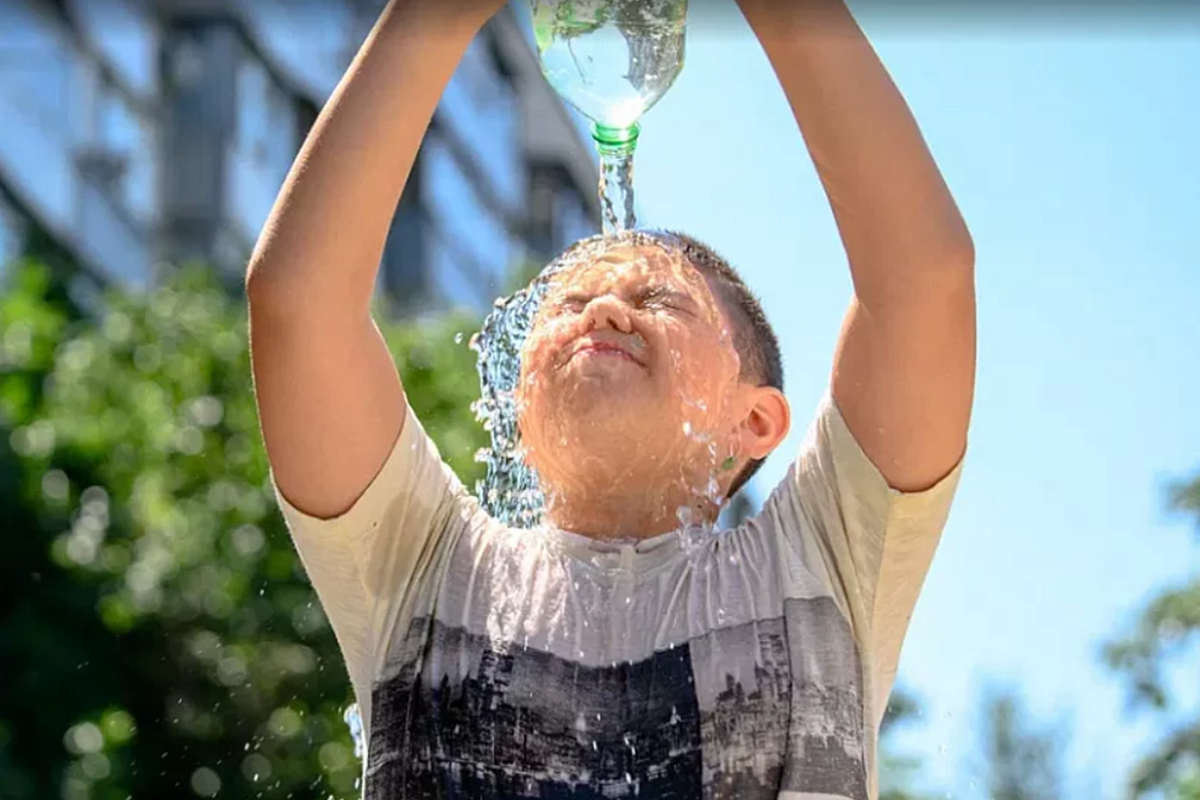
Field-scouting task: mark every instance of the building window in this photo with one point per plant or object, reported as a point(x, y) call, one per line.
point(36, 68)
point(266, 119)
point(265, 141)
point(452, 271)
point(480, 105)
point(453, 207)
point(127, 37)
point(571, 219)
point(125, 137)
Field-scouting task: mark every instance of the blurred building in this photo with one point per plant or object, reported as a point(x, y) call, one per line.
point(144, 132)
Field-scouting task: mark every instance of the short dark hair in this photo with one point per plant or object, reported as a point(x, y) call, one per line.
point(753, 337)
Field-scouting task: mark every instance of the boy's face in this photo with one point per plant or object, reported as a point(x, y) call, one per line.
point(630, 361)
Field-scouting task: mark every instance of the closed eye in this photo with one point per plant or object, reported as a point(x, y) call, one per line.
point(661, 297)
point(573, 302)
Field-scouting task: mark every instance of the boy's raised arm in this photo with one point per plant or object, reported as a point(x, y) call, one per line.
point(904, 372)
point(329, 396)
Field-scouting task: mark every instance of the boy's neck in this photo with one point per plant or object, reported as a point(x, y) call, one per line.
point(628, 513)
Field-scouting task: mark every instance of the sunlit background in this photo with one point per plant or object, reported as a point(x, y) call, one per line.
point(157, 637)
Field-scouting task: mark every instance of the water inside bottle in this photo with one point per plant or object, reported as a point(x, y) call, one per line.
point(611, 59)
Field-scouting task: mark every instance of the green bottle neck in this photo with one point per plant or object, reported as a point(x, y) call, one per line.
point(616, 141)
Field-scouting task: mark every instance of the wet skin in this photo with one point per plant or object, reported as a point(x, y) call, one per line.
point(630, 392)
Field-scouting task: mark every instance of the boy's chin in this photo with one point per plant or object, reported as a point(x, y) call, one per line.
point(630, 407)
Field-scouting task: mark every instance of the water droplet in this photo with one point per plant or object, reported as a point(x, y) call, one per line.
point(685, 515)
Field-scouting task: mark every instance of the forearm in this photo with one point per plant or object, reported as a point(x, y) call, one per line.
point(325, 236)
point(899, 224)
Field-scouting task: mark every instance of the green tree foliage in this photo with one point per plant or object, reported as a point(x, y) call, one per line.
point(158, 637)
point(1162, 639)
point(1021, 760)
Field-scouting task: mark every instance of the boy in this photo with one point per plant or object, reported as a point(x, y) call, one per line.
point(603, 654)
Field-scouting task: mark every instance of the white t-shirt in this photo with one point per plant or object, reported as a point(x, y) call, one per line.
point(756, 662)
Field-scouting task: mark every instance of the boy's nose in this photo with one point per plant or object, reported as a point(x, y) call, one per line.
point(607, 311)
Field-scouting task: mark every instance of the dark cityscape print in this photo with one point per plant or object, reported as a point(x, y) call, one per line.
point(719, 717)
point(827, 747)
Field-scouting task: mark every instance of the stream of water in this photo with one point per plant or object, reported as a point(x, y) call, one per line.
point(616, 190)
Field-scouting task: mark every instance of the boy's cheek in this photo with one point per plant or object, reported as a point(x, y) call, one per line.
point(546, 341)
point(536, 356)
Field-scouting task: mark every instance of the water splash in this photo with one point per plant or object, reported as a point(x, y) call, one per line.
point(353, 720)
point(509, 490)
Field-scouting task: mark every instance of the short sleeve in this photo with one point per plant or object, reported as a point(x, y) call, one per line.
point(370, 564)
point(870, 545)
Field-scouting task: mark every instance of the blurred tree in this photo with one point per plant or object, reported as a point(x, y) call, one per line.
point(522, 274)
point(1165, 634)
point(157, 635)
point(898, 772)
point(1020, 762)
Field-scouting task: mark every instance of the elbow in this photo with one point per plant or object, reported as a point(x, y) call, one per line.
point(256, 280)
point(960, 252)
point(946, 265)
point(255, 285)
point(264, 290)
point(287, 290)
point(947, 276)
point(949, 253)
point(933, 275)
point(954, 268)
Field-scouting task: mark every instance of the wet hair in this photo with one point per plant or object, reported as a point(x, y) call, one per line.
point(753, 337)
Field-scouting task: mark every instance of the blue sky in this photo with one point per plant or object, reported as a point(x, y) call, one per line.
point(1074, 155)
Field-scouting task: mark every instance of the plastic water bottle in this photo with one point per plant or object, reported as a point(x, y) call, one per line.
point(611, 59)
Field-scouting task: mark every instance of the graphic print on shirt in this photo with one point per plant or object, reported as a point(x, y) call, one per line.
point(740, 712)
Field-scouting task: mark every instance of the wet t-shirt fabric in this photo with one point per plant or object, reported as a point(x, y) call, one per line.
point(755, 662)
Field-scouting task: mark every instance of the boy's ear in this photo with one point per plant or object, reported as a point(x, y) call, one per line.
point(767, 422)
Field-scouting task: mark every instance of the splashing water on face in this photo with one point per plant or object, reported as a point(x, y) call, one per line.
point(509, 490)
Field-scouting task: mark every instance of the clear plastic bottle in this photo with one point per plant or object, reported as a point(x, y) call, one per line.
point(612, 60)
